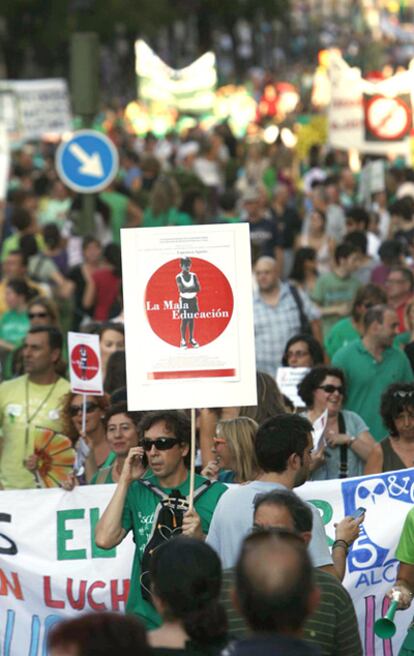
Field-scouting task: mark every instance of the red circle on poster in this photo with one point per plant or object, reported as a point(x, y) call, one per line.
point(188, 306)
point(84, 362)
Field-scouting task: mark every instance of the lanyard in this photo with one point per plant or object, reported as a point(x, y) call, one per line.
point(29, 418)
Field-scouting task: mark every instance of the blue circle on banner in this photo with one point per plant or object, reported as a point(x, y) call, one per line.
point(87, 162)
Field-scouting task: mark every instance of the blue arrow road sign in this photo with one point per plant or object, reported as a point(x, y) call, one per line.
point(88, 162)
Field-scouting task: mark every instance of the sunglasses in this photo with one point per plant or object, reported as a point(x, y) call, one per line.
point(297, 354)
point(161, 443)
point(38, 315)
point(402, 394)
point(75, 409)
point(330, 389)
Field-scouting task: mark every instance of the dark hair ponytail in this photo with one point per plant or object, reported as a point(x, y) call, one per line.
point(186, 576)
point(206, 623)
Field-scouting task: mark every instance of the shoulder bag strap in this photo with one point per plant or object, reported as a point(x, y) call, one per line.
point(343, 465)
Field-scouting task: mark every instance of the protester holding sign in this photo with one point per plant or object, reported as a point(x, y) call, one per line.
point(156, 507)
point(346, 442)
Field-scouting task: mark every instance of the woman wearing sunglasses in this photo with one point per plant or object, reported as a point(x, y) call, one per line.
point(92, 447)
point(235, 459)
point(347, 442)
point(397, 450)
point(121, 435)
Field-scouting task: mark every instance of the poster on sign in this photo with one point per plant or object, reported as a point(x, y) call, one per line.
point(85, 364)
point(188, 317)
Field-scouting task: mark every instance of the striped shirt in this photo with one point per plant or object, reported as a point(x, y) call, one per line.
point(333, 627)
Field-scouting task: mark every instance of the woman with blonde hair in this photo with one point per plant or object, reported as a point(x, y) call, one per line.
point(270, 402)
point(235, 459)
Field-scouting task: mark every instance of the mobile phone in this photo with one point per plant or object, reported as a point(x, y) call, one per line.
point(358, 512)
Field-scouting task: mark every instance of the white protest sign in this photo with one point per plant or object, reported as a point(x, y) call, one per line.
point(34, 108)
point(85, 364)
point(319, 426)
point(50, 567)
point(372, 117)
point(288, 379)
point(188, 317)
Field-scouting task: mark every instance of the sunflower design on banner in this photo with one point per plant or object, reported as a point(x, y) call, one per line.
point(55, 457)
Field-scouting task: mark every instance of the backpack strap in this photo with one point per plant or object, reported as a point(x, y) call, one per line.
point(153, 488)
point(343, 449)
point(203, 488)
point(305, 326)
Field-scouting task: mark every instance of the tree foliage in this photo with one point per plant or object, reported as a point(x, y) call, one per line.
point(39, 30)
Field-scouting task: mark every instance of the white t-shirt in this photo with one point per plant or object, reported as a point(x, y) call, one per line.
point(233, 520)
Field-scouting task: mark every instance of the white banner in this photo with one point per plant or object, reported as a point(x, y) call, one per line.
point(50, 567)
point(373, 117)
point(34, 108)
point(189, 89)
point(188, 319)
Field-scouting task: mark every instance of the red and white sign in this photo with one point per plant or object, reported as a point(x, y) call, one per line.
point(371, 116)
point(188, 317)
point(85, 364)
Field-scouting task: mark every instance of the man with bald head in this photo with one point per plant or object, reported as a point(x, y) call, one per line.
point(280, 312)
point(275, 593)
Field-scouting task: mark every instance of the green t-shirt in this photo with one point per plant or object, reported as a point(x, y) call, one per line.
point(171, 218)
point(367, 378)
point(12, 243)
point(14, 326)
point(138, 516)
point(17, 446)
point(330, 289)
point(405, 549)
point(102, 477)
point(119, 210)
point(341, 334)
point(401, 340)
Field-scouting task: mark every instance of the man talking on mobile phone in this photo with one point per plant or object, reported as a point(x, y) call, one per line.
point(156, 507)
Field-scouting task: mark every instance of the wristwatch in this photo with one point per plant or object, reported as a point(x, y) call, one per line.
point(351, 440)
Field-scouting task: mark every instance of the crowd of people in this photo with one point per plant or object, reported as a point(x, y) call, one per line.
point(249, 570)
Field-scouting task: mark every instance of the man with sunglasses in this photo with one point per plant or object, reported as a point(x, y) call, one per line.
point(28, 402)
point(165, 437)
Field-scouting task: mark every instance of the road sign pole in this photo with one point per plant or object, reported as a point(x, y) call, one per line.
point(85, 99)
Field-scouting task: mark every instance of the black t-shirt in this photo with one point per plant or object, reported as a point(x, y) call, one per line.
point(263, 238)
point(288, 225)
point(75, 274)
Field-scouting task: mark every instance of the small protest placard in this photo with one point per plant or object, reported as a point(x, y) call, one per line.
point(85, 364)
point(288, 379)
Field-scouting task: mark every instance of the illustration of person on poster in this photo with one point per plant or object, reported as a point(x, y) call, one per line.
point(188, 287)
point(83, 357)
